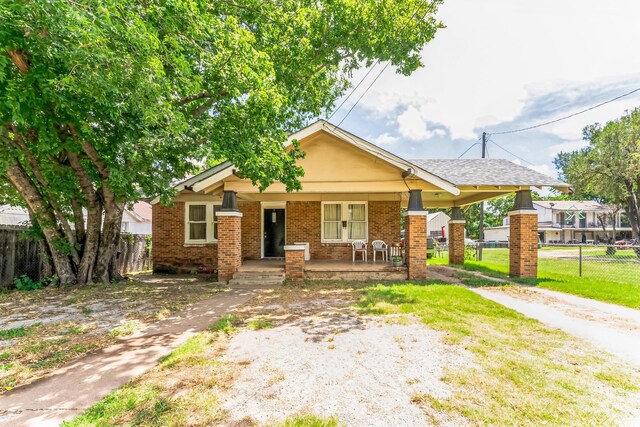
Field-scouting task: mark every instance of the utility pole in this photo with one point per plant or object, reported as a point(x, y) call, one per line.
point(481, 224)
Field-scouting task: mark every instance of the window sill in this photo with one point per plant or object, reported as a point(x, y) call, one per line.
point(199, 244)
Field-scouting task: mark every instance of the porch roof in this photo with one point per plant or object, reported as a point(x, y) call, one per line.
point(381, 174)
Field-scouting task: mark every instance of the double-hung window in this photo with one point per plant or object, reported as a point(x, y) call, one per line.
point(201, 224)
point(344, 221)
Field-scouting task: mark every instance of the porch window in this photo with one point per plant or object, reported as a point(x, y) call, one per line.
point(201, 224)
point(353, 215)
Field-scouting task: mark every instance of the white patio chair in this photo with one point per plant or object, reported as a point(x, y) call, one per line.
point(380, 246)
point(359, 246)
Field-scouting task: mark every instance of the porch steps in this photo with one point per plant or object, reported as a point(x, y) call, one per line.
point(256, 276)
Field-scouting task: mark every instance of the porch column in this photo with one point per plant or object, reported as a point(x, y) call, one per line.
point(523, 237)
point(229, 237)
point(416, 237)
point(456, 237)
point(294, 262)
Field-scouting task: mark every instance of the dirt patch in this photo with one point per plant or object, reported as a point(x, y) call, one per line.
point(329, 361)
point(41, 330)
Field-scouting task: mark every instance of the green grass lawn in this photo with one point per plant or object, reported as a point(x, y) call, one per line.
point(522, 372)
point(615, 280)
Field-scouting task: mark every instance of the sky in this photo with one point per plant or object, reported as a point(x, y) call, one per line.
point(502, 65)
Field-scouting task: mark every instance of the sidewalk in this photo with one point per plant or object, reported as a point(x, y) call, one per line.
point(82, 383)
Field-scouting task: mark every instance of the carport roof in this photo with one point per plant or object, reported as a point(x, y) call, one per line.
point(494, 172)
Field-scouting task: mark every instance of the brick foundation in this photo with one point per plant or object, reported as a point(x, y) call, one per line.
point(456, 242)
point(294, 263)
point(523, 245)
point(416, 244)
point(229, 244)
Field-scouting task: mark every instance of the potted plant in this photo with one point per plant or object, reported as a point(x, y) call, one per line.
point(397, 261)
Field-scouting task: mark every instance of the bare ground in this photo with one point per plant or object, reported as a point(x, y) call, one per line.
point(41, 330)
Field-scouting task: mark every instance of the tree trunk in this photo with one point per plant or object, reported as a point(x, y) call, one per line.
point(47, 220)
point(108, 242)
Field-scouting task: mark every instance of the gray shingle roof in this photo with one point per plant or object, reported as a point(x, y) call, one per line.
point(486, 172)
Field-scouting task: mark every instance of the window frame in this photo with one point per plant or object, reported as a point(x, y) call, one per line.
point(344, 211)
point(210, 223)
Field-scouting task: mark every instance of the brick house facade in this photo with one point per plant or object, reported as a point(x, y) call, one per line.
point(351, 190)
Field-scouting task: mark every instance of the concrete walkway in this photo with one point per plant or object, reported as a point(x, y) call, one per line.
point(611, 327)
point(73, 388)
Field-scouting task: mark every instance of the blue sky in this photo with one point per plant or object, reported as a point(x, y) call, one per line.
point(502, 65)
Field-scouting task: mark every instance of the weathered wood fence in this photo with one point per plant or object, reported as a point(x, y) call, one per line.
point(20, 254)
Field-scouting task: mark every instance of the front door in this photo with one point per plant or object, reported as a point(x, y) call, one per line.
point(273, 233)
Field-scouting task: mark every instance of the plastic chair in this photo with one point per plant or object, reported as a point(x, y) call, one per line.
point(359, 246)
point(380, 246)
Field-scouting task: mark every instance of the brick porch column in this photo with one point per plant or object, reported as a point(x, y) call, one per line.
point(456, 237)
point(229, 237)
point(294, 262)
point(416, 237)
point(523, 237)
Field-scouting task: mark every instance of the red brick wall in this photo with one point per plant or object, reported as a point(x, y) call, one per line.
point(456, 243)
point(523, 245)
point(416, 246)
point(294, 264)
point(229, 242)
point(250, 229)
point(169, 251)
point(304, 225)
point(170, 254)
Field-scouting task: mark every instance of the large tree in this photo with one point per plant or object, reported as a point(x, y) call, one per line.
point(608, 169)
point(102, 101)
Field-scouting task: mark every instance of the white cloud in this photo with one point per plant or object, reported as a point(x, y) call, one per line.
point(568, 146)
point(544, 169)
point(383, 139)
point(492, 58)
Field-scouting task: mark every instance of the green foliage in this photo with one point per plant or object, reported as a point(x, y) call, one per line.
point(608, 169)
point(309, 421)
point(8, 334)
point(227, 323)
point(25, 283)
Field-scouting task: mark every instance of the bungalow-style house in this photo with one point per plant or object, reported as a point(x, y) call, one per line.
point(569, 221)
point(351, 190)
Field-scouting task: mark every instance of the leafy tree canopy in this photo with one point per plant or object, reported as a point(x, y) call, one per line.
point(105, 100)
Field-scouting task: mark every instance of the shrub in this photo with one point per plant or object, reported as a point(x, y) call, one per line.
point(25, 283)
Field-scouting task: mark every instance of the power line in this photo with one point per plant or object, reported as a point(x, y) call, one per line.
point(364, 93)
point(565, 117)
point(354, 89)
point(470, 147)
point(385, 67)
point(514, 155)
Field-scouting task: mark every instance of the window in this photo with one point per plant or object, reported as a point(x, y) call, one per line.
point(124, 227)
point(344, 221)
point(201, 224)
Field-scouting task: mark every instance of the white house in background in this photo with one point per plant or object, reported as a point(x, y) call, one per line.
point(438, 225)
point(567, 221)
point(136, 220)
point(13, 215)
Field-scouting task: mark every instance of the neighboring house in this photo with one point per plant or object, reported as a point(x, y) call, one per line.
point(136, 220)
point(351, 190)
point(438, 224)
point(566, 221)
point(13, 215)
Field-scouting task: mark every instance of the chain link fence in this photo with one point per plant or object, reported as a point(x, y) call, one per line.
point(608, 263)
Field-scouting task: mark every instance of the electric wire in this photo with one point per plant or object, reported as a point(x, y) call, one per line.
point(467, 150)
point(507, 151)
point(565, 117)
point(354, 89)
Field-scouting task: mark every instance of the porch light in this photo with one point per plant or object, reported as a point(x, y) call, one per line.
point(344, 224)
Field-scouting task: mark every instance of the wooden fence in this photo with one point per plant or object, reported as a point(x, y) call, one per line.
point(21, 254)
